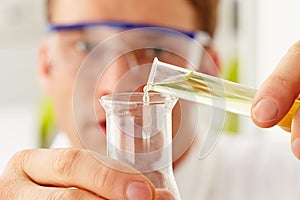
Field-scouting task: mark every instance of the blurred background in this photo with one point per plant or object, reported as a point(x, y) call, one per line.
point(251, 38)
point(21, 28)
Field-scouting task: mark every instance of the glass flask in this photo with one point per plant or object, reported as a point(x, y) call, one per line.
point(139, 133)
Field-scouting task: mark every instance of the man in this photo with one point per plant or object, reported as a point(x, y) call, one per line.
point(54, 173)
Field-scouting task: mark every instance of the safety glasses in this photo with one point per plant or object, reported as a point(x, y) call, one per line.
point(73, 42)
point(200, 36)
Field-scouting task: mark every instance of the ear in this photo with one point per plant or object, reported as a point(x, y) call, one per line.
point(44, 66)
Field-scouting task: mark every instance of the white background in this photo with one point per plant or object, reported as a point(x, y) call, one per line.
point(21, 28)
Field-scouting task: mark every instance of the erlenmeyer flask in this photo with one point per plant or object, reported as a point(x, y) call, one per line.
point(140, 134)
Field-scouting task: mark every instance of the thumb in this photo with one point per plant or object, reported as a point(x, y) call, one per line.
point(277, 94)
point(163, 195)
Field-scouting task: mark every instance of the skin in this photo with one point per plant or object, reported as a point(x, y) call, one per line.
point(59, 83)
point(278, 93)
point(51, 173)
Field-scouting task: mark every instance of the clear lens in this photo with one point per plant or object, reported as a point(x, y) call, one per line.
point(73, 46)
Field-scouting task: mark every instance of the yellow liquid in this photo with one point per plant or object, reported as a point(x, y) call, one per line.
point(216, 92)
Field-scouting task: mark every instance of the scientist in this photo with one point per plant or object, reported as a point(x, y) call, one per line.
point(77, 173)
point(54, 173)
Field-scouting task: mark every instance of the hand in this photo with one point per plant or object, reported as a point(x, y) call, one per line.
point(277, 94)
point(72, 174)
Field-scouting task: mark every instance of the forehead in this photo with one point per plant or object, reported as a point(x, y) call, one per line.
point(179, 14)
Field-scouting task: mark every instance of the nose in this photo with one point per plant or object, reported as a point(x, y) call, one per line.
point(125, 74)
point(111, 76)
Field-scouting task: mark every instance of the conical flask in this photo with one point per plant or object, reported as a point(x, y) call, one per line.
point(139, 133)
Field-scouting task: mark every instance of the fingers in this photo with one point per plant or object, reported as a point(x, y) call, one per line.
point(277, 94)
point(295, 139)
point(22, 189)
point(163, 195)
point(81, 169)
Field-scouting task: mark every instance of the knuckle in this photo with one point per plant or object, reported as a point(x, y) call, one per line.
point(65, 162)
point(17, 162)
point(13, 173)
point(281, 79)
point(67, 194)
point(294, 50)
point(5, 190)
point(105, 177)
point(21, 155)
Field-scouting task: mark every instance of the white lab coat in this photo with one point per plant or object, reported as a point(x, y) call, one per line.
point(242, 168)
point(239, 168)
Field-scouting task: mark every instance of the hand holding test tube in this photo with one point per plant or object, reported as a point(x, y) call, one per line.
point(209, 90)
point(278, 94)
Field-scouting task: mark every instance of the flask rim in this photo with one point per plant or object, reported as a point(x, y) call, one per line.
point(136, 98)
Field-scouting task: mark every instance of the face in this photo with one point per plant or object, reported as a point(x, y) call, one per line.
point(57, 67)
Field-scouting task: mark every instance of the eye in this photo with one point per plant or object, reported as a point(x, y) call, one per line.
point(147, 55)
point(154, 52)
point(84, 46)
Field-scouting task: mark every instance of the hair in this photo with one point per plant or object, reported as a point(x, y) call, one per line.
point(207, 11)
point(48, 9)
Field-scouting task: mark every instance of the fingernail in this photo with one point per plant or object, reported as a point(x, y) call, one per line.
point(266, 110)
point(296, 148)
point(138, 191)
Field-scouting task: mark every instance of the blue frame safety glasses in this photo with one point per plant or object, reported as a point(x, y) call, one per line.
point(202, 37)
point(73, 42)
